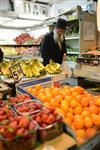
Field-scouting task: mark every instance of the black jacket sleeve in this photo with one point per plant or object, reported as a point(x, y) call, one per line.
point(1, 55)
point(45, 49)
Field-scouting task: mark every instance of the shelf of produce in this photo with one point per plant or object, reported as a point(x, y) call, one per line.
point(73, 53)
point(72, 38)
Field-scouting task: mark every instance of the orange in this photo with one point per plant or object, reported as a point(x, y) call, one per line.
point(46, 104)
point(78, 89)
point(78, 110)
point(81, 133)
point(90, 132)
point(98, 101)
point(93, 109)
point(37, 86)
point(78, 116)
point(67, 120)
point(55, 92)
point(60, 111)
point(64, 105)
point(68, 98)
point(96, 119)
point(78, 124)
point(69, 115)
point(84, 102)
point(79, 98)
point(59, 98)
point(85, 113)
point(53, 102)
point(48, 97)
point(73, 103)
point(70, 109)
point(75, 94)
point(88, 122)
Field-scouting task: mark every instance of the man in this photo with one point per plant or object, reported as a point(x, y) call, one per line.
point(1, 55)
point(53, 46)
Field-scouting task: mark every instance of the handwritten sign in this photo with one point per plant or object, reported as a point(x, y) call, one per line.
point(16, 72)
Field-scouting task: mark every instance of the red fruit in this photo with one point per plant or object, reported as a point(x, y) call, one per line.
point(13, 125)
point(3, 117)
point(58, 118)
point(38, 105)
point(51, 119)
point(20, 131)
point(1, 111)
point(32, 126)
point(44, 118)
point(38, 119)
point(24, 122)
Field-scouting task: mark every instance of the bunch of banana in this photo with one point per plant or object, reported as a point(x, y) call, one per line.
point(4, 68)
point(53, 68)
point(33, 68)
point(38, 65)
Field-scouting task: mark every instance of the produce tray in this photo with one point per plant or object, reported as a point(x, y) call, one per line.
point(27, 142)
point(88, 144)
point(50, 132)
point(26, 104)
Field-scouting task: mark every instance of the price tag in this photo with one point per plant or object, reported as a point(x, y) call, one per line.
point(17, 72)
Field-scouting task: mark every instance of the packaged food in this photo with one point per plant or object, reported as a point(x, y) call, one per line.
point(29, 107)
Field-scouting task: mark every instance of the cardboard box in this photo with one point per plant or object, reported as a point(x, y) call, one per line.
point(62, 142)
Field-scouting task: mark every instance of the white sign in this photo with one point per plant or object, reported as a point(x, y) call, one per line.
point(89, 31)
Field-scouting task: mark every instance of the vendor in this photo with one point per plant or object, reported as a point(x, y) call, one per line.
point(1, 55)
point(53, 46)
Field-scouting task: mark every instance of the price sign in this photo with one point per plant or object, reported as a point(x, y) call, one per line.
point(17, 72)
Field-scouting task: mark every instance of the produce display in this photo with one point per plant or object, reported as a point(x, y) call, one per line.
point(9, 50)
point(53, 68)
point(80, 109)
point(22, 38)
point(72, 29)
point(4, 68)
point(31, 68)
point(6, 113)
point(18, 99)
point(20, 50)
point(50, 124)
point(72, 58)
point(22, 131)
point(29, 107)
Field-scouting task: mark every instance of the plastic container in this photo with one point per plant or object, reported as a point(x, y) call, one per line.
point(50, 132)
point(27, 142)
point(28, 109)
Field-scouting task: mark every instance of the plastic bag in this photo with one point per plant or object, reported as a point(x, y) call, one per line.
point(66, 69)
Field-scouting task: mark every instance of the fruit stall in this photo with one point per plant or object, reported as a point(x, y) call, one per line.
point(41, 107)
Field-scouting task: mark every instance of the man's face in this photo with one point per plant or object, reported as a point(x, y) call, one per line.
point(60, 32)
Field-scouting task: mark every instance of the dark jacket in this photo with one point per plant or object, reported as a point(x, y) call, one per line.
point(51, 50)
point(1, 55)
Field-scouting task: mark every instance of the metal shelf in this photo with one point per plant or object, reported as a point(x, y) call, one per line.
point(72, 38)
point(72, 53)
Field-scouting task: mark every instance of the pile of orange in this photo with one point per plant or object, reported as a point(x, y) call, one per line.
point(80, 109)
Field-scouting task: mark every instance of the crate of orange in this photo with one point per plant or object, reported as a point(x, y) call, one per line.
point(79, 108)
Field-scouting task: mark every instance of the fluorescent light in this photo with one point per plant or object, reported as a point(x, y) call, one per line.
point(21, 23)
point(29, 16)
